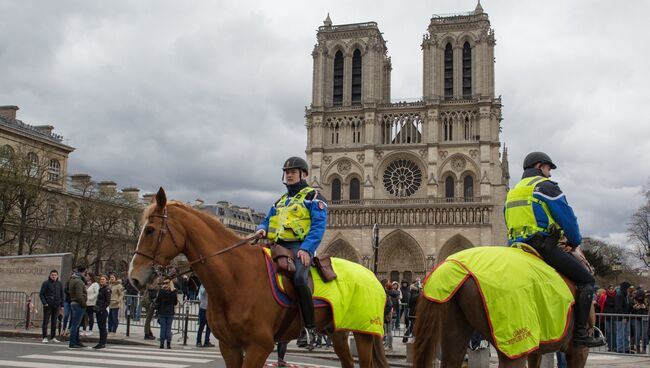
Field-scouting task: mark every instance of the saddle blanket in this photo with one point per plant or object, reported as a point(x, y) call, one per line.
point(356, 297)
point(527, 302)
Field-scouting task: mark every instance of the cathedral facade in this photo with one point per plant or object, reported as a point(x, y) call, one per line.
point(429, 173)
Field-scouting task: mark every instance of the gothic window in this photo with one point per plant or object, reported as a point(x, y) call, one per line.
point(394, 276)
point(467, 70)
point(54, 170)
point(449, 71)
point(356, 132)
point(337, 96)
point(402, 178)
point(468, 187)
point(335, 134)
point(449, 187)
point(355, 189)
point(401, 129)
point(356, 77)
point(448, 128)
point(467, 129)
point(336, 190)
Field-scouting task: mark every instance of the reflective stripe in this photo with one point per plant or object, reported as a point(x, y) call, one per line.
point(517, 204)
point(536, 180)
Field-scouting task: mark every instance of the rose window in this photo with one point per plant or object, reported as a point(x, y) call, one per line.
point(402, 178)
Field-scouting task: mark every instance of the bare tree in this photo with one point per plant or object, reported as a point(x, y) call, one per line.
point(639, 229)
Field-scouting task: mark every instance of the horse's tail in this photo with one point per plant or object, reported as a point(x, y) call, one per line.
point(378, 356)
point(428, 331)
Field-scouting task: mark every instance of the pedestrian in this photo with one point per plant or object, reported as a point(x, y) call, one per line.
point(193, 286)
point(66, 309)
point(165, 303)
point(640, 312)
point(131, 299)
point(608, 306)
point(537, 213)
point(52, 299)
point(203, 321)
point(414, 296)
point(101, 309)
point(78, 299)
point(622, 306)
point(117, 293)
point(92, 289)
point(404, 300)
point(396, 297)
point(388, 317)
point(148, 302)
point(297, 221)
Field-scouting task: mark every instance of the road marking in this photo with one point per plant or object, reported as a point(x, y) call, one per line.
point(135, 356)
point(165, 352)
point(15, 363)
point(102, 361)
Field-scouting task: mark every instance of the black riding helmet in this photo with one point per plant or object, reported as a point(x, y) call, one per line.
point(534, 158)
point(296, 163)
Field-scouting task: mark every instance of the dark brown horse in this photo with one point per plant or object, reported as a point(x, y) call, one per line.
point(449, 326)
point(242, 312)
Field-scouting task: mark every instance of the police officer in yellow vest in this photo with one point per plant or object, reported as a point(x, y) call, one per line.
point(535, 208)
point(297, 221)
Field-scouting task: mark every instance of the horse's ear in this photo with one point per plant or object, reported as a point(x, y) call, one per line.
point(161, 198)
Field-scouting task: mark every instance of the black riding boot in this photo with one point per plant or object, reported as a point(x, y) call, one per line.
point(307, 309)
point(581, 337)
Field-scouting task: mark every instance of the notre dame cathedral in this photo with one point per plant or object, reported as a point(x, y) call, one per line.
point(429, 173)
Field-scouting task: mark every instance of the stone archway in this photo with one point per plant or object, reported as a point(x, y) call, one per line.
point(455, 244)
point(342, 249)
point(400, 256)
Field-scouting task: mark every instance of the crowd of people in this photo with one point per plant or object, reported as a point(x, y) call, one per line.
point(624, 334)
point(401, 302)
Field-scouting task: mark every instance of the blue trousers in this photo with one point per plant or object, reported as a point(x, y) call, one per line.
point(76, 314)
point(203, 323)
point(113, 321)
point(66, 316)
point(165, 321)
point(622, 336)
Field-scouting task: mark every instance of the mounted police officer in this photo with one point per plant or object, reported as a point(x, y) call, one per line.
point(534, 209)
point(297, 222)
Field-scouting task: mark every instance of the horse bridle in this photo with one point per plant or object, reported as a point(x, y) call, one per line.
point(160, 269)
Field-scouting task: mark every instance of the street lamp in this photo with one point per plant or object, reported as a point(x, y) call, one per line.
point(375, 247)
point(617, 267)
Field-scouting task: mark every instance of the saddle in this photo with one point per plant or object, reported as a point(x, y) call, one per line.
point(285, 263)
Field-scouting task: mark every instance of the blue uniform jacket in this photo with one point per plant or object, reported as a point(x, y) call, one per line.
point(549, 192)
point(318, 214)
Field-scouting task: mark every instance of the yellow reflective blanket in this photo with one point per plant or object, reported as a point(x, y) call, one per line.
point(526, 300)
point(356, 297)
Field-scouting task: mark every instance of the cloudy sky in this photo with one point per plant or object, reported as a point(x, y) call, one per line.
point(207, 97)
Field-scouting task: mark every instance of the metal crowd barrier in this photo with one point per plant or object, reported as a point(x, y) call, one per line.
point(625, 333)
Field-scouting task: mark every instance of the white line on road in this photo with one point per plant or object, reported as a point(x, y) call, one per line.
point(188, 353)
point(134, 356)
point(103, 361)
point(15, 363)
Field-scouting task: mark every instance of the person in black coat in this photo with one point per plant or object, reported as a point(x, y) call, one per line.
point(165, 303)
point(622, 306)
point(414, 296)
point(103, 301)
point(52, 299)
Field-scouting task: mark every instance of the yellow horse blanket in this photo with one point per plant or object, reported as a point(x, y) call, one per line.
point(356, 297)
point(525, 299)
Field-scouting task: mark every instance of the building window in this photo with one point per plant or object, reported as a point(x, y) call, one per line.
point(449, 71)
point(449, 187)
point(402, 178)
point(356, 132)
point(467, 70)
point(355, 189)
point(6, 154)
point(448, 129)
point(335, 134)
point(336, 190)
point(337, 96)
point(32, 158)
point(49, 240)
point(468, 187)
point(356, 77)
point(50, 213)
point(54, 171)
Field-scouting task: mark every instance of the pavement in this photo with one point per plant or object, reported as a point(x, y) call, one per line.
point(396, 356)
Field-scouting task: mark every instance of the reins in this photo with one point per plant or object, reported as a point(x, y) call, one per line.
point(160, 269)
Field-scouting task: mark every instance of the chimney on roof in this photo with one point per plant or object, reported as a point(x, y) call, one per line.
point(80, 181)
point(148, 197)
point(8, 112)
point(131, 194)
point(45, 129)
point(107, 187)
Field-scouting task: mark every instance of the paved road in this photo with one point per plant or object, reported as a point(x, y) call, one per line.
point(34, 354)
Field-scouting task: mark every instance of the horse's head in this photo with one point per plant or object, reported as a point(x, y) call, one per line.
point(161, 240)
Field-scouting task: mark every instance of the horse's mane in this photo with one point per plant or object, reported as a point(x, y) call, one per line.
point(209, 219)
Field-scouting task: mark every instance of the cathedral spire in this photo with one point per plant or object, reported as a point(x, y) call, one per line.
point(479, 8)
point(327, 22)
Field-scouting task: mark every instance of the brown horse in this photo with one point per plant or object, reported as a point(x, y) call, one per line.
point(449, 326)
point(242, 312)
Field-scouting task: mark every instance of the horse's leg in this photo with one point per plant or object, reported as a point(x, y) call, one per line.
point(576, 357)
point(256, 354)
point(364, 348)
point(342, 349)
point(534, 360)
point(232, 355)
point(456, 339)
point(505, 362)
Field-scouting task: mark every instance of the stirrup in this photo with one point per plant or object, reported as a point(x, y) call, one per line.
point(310, 335)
